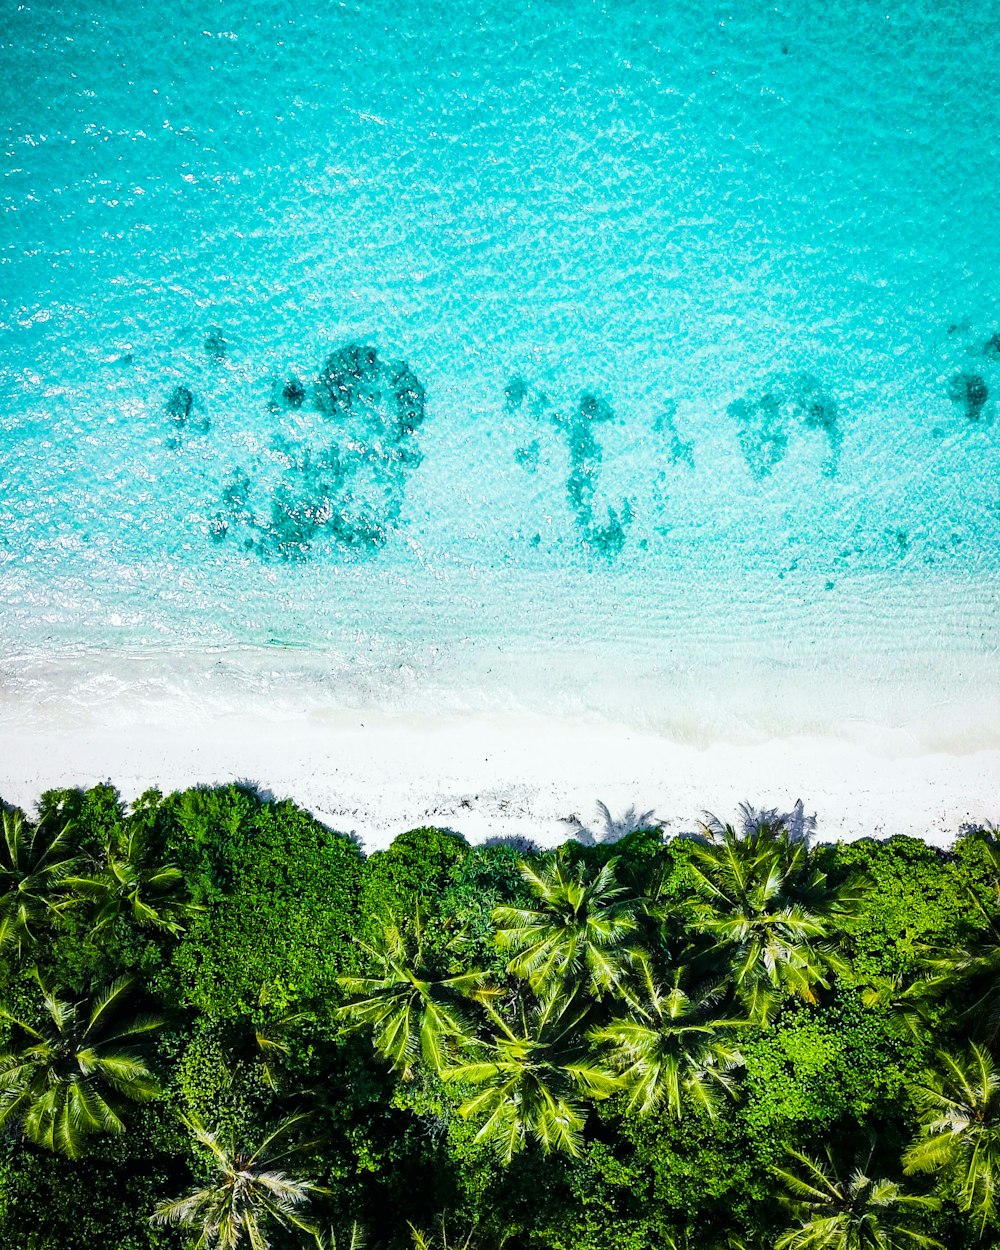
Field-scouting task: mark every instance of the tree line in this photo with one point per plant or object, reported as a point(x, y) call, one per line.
point(222, 1025)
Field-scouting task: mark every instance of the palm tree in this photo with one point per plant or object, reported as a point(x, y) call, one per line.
point(34, 862)
point(769, 911)
point(675, 1048)
point(853, 1214)
point(534, 1080)
point(959, 1107)
point(410, 1008)
point(577, 933)
point(68, 1079)
point(247, 1192)
point(131, 883)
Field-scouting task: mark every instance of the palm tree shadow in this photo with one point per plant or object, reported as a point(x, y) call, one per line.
point(608, 829)
point(795, 825)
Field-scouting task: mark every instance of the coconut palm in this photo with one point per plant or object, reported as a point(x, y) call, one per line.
point(536, 1074)
point(856, 1213)
point(410, 1008)
point(132, 883)
point(769, 910)
point(247, 1193)
point(959, 1106)
point(675, 1048)
point(70, 1076)
point(34, 862)
point(577, 933)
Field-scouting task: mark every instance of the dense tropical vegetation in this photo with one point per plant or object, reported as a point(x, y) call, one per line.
point(221, 1025)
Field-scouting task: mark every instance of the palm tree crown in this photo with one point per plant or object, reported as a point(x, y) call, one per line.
point(34, 861)
point(537, 1071)
point(248, 1191)
point(66, 1081)
point(576, 933)
point(853, 1214)
point(769, 911)
point(131, 883)
point(959, 1107)
point(410, 1008)
point(676, 1047)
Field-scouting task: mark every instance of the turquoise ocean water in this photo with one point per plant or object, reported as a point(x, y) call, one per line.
point(625, 359)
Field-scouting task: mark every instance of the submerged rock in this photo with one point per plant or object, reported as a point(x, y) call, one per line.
point(528, 456)
point(384, 395)
point(514, 392)
point(287, 393)
point(179, 404)
point(970, 391)
point(344, 483)
point(293, 393)
point(765, 422)
point(215, 344)
point(992, 346)
point(602, 528)
point(679, 450)
point(761, 431)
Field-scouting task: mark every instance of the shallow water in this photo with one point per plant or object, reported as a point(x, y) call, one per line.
point(682, 403)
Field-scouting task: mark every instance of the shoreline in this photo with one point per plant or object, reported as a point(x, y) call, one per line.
point(374, 775)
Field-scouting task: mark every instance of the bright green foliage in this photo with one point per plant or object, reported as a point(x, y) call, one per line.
point(132, 882)
point(575, 934)
point(918, 900)
point(352, 1238)
point(817, 1068)
point(417, 866)
point(534, 1075)
point(770, 910)
point(278, 894)
point(34, 863)
point(247, 1193)
point(856, 1213)
point(65, 1081)
point(94, 814)
point(551, 1075)
point(411, 1009)
point(976, 963)
point(485, 878)
point(675, 1048)
point(959, 1107)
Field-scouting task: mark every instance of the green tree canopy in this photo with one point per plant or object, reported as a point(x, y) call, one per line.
point(69, 1076)
point(771, 912)
point(535, 1071)
point(852, 1213)
point(676, 1047)
point(35, 861)
point(247, 1193)
point(959, 1108)
point(410, 1008)
point(576, 933)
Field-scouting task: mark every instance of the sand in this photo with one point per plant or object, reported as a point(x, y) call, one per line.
point(377, 775)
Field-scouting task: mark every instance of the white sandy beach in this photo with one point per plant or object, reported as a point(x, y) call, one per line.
point(377, 775)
